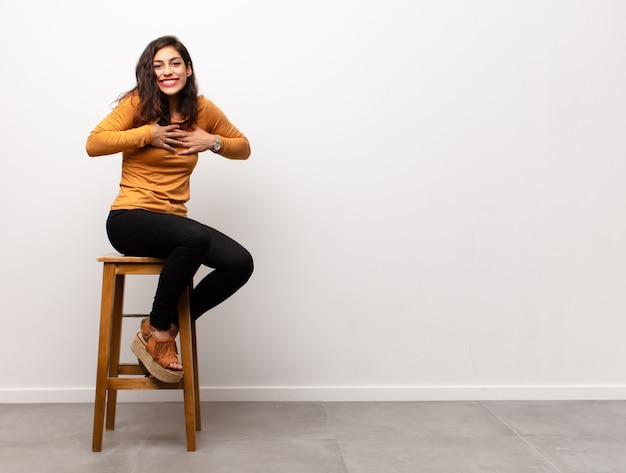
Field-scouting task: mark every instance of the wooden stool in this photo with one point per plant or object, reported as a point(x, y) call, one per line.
point(108, 380)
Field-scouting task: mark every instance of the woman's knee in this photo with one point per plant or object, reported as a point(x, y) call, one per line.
point(198, 238)
point(243, 264)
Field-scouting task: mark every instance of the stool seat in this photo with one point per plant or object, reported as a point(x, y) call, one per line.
point(112, 375)
point(117, 258)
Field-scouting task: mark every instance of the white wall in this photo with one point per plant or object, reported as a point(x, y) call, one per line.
point(435, 199)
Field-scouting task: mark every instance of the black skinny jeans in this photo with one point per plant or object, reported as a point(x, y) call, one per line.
point(186, 244)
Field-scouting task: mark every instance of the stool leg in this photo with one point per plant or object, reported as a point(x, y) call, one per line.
point(184, 320)
point(116, 343)
point(196, 378)
point(104, 346)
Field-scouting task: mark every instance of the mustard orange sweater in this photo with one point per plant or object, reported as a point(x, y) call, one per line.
point(154, 178)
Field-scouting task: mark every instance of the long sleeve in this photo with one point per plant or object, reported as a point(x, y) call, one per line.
point(211, 118)
point(115, 134)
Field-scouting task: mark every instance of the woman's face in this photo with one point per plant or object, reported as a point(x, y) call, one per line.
point(170, 70)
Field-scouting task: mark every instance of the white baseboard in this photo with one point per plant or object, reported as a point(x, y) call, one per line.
point(331, 394)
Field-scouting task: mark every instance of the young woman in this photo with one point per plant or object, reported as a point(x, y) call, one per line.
point(160, 127)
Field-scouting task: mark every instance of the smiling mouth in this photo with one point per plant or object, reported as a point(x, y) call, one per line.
point(169, 82)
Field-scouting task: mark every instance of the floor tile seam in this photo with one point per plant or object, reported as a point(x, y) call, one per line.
point(578, 436)
point(341, 456)
point(335, 439)
point(269, 439)
point(523, 439)
point(140, 455)
point(427, 437)
point(332, 441)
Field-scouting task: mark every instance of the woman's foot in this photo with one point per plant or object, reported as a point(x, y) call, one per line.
point(162, 347)
point(155, 356)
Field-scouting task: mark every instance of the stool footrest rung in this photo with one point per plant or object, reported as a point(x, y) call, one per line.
point(130, 369)
point(141, 383)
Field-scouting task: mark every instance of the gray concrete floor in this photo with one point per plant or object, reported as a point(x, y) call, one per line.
point(312, 437)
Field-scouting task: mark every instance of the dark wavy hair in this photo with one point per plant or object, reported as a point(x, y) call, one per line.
point(153, 104)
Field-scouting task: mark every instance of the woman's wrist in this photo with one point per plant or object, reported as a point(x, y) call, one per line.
point(217, 145)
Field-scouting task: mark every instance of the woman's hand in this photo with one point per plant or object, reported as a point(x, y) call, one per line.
point(196, 140)
point(167, 137)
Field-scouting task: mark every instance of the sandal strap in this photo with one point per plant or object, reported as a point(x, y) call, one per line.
point(163, 351)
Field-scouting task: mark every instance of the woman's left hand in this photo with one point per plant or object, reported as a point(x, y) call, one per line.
point(196, 140)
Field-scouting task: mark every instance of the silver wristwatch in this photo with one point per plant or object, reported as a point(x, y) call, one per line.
point(218, 144)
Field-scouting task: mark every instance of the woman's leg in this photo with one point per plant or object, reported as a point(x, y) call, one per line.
point(184, 242)
point(232, 267)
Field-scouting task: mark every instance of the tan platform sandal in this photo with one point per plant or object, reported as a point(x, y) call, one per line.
point(156, 354)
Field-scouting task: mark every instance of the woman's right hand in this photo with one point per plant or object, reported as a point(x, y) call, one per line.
point(166, 137)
